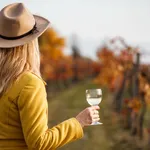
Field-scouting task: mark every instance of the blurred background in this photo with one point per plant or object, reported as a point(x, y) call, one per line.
point(98, 44)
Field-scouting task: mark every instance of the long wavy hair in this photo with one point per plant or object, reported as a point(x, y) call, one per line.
point(17, 60)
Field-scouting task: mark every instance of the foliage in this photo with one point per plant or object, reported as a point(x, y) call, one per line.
point(119, 71)
point(59, 68)
point(114, 65)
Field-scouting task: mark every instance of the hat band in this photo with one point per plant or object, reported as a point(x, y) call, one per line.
point(33, 30)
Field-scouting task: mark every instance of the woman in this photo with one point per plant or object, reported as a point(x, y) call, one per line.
point(23, 103)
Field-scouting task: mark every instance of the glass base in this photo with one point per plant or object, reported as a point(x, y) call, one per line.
point(96, 123)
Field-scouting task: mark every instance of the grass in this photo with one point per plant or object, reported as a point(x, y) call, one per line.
point(109, 136)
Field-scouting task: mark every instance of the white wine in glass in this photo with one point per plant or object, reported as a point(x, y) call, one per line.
point(94, 97)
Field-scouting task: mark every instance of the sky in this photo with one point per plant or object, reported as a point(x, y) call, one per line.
point(94, 20)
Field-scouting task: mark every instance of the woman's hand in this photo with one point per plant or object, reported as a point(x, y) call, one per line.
point(88, 115)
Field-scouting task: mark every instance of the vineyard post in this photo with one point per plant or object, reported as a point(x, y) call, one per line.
point(119, 95)
point(141, 117)
point(136, 81)
point(134, 128)
point(129, 121)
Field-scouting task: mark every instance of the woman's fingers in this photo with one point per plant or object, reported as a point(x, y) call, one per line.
point(95, 112)
point(95, 116)
point(95, 107)
point(95, 120)
point(88, 115)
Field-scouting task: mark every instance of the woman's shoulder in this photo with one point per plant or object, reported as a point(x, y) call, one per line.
point(30, 77)
point(25, 79)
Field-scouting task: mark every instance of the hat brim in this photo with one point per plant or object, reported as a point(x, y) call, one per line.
point(41, 25)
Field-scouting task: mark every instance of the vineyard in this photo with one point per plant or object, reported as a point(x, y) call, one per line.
point(59, 70)
point(118, 69)
point(128, 80)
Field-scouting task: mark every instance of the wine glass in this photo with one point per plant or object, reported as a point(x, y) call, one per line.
point(94, 97)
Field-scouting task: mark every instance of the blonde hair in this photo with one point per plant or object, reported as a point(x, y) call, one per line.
point(17, 60)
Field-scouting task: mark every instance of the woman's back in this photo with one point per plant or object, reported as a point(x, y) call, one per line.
point(11, 134)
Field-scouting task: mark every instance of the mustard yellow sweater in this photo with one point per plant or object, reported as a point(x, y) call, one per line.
point(24, 118)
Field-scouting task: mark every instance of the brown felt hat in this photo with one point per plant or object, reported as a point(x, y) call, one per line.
point(18, 26)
